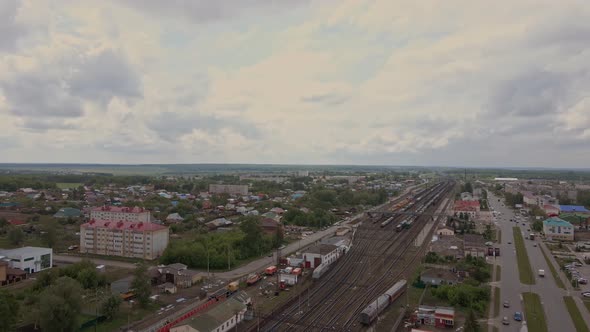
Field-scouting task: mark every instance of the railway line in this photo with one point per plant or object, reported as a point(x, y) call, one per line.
point(376, 260)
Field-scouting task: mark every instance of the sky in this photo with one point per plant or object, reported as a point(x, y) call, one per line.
point(447, 83)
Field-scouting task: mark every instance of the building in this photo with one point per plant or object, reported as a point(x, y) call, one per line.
point(222, 317)
point(321, 253)
point(232, 189)
point(440, 317)
point(176, 274)
point(68, 213)
point(470, 208)
point(439, 277)
point(474, 245)
point(505, 179)
point(445, 231)
point(270, 226)
point(174, 218)
point(123, 238)
point(573, 209)
point(528, 198)
point(550, 209)
point(116, 213)
point(29, 259)
point(558, 229)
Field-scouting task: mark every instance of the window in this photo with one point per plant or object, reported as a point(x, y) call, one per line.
point(28, 259)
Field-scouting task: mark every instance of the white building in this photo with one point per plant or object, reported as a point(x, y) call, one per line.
point(29, 259)
point(115, 213)
point(558, 229)
point(237, 189)
point(123, 238)
point(222, 317)
point(321, 253)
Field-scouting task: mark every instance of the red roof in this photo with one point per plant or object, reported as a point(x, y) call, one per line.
point(132, 225)
point(15, 222)
point(119, 209)
point(466, 205)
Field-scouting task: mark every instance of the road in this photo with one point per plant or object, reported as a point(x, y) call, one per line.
point(556, 314)
point(97, 261)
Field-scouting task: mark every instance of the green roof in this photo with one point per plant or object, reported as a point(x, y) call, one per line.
point(554, 221)
point(218, 314)
point(67, 212)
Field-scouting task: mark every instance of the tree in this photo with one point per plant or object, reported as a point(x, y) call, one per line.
point(111, 306)
point(471, 324)
point(88, 278)
point(50, 236)
point(16, 236)
point(141, 285)
point(8, 311)
point(59, 306)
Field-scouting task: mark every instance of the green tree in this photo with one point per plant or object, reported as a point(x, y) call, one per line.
point(471, 324)
point(141, 285)
point(88, 278)
point(16, 236)
point(50, 236)
point(252, 235)
point(110, 307)
point(59, 306)
point(9, 308)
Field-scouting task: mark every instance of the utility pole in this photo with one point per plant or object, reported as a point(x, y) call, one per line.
point(228, 260)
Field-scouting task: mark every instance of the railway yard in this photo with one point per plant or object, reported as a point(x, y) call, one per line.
point(383, 252)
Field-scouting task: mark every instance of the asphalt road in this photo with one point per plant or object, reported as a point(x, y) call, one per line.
point(556, 314)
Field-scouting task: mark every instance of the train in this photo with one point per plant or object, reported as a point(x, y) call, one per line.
point(386, 222)
point(370, 313)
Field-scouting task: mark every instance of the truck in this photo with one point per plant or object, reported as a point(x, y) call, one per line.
point(532, 236)
point(270, 270)
point(541, 273)
point(233, 286)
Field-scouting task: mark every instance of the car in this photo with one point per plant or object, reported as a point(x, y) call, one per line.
point(583, 281)
point(534, 245)
point(586, 294)
point(509, 242)
point(518, 316)
point(505, 321)
point(506, 304)
point(578, 264)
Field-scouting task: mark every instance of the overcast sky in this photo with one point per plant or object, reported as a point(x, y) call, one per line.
point(462, 82)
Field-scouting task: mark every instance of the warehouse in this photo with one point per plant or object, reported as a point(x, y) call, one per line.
point(29, 259)
point(319, 254)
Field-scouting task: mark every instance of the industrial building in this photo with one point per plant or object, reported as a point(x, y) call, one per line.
point(28, 259)
point(232, 189)
point(557, 229)
point(224, 316)
point(123, 238)
point(321, 253)
point(116, 213)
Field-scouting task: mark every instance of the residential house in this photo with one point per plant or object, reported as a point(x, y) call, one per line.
point(68, 213)
point(439, 277)
point(445, 231)
point(174, 218)
point(270, 226)
point(219, 222)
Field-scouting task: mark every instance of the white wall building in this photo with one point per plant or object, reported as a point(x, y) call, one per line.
point(29, 259)
point(321, 253)
point(558, 229)
point(115, 213)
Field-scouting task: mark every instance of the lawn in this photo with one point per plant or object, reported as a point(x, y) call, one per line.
point(498, 273)
point(498, 236)
point(525, 271)
point(496, 301)
point(572, 308)
point(534, 314)
point(587, 304)
point(554, 272)
point(64, 185)
point(121, 318)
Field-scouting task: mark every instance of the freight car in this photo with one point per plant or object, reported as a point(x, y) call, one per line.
point(374, 309)
point(386, 222)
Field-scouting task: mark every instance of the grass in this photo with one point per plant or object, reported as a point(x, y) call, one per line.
point(120, 319)
point(496, 301)
point(498, 273)
point(572, 308)
point(498, 236)
point(587, 305)
point(534, 314)
point(525, 270)
point(554, 272)
point(64, 185)
point(495, 329)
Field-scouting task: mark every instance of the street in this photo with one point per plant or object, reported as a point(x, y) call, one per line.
point(556, 314)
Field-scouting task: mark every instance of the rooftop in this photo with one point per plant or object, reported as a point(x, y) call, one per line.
point(24, 251)
point(218, 314)
point(321, 249)
point(133, 225)
point(120, 209)
point(554, 221)
point(573, 208)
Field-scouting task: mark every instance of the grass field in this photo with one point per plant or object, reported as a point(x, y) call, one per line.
point(554, 272)
point(496, 301)
point(64, 185)
point(534, 314)
point(572, 308)
point(498, 273)
point(587, 305)
point(525, 271)
point(498, 236)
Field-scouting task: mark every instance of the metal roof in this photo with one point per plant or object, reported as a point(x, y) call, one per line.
point(554, 221)
point(573, 208)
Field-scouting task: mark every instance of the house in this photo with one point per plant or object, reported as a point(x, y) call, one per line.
point(176, 274)
point(558, 229)
point(550, 209)
point(270, 226)
point(29, 259)
point(168, 288)
point(277, 210)
point(440, 317)
point(321, 253)
point(445, 231)
point(474, 245)
point(219, 222)
point(528, 198)
point(470, 208)
point(174, 218)
point(68, 213)
point(439, 277)
point(221, 317)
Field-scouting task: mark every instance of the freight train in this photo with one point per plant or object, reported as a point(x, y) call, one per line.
point(382, 302)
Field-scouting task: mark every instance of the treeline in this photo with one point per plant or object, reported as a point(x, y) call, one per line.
point(327, 198)
point(317, 218)
point(223, 249)
point(513, 199)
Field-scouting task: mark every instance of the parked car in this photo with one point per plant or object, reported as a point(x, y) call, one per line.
point(583, 281)
point(505, 321)
point(506, 304)
point(518, 316)
point(586, 294)
point(578, 264)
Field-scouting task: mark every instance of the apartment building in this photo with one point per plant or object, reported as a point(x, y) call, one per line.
point(123, 238)
point(116, 213)
point(236, 189)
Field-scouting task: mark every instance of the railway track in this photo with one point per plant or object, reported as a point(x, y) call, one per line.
point(361, 275)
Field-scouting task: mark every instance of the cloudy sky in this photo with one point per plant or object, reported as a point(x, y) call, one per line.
point(429, 82)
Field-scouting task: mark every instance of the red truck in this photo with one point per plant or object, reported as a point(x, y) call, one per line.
point(252, 279)
point(270, 270)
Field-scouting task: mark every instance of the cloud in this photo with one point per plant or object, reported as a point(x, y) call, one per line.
point(326, 99)
point(10, 29)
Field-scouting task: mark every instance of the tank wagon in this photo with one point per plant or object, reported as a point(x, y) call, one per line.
point(370, 313)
